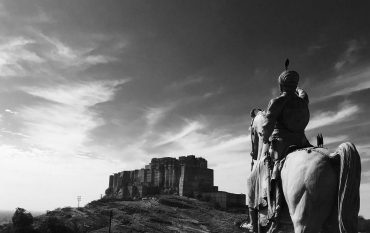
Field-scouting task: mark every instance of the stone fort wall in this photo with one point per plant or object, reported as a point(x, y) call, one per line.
point(186, 176)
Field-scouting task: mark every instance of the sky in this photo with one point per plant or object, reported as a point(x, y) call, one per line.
point(89, 88)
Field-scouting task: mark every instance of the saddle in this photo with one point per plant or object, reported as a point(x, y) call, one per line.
point(275, 174)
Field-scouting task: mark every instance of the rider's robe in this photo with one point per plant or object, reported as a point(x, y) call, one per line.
point(286, 119)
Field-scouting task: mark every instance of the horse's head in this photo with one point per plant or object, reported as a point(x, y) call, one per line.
point(256, 131)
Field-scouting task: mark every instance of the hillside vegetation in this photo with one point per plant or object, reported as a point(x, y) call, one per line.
point(162, 214)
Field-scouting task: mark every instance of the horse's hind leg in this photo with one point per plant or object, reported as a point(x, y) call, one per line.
point(310, 214)
point(303, 218)
point(313, 215)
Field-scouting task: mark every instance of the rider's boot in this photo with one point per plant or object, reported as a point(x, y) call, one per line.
point(279, 199)
point(253, 221)
point(277, 207)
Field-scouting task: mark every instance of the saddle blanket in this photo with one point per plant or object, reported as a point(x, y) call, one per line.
point(258, 184)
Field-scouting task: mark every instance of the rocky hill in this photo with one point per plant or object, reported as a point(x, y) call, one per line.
point(161, 214)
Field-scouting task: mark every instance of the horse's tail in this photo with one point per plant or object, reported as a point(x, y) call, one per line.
point(349, 185)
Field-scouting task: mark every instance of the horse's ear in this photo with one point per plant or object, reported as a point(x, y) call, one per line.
point(254, 112)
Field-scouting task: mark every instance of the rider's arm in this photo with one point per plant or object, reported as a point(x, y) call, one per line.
point(272, 113)
point(302, 94)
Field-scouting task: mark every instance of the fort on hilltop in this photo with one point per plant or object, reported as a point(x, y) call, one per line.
point(187, 176)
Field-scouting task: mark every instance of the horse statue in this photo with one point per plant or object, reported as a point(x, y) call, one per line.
point(321, 189)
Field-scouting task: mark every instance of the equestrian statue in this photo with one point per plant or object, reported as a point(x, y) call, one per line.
point(301, 188)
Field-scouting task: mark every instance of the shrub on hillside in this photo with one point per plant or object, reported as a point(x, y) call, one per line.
point(54, 225)
point(21, 218)
point(22, 221)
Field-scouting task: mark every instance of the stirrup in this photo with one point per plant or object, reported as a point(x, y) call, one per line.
point(248, 227)
point(275, 215)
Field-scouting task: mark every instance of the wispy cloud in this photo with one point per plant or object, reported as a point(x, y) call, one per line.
point(330, 117)
point(27, 55)
point(77, 94)
point(351, 82)
point(354, 80)
point(11, 111)
point(189, 128)
point(64, 123)
point(14, 133)
point(77, 57)
point(350, 54)
point(154, 115)
point(186, 82)
point(12, 52)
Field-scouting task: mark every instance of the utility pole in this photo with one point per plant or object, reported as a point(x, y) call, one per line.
point(110, 220)
point(78, 201)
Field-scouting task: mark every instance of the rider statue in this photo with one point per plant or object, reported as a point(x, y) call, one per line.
point(285, 121)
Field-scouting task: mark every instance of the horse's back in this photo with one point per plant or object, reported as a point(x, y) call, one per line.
point(310, 184)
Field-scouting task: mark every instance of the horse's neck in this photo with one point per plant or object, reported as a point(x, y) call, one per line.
point(258, 122)
point(260, 147)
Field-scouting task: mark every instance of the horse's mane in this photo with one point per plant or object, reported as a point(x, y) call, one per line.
point(258, 116)
point(261, 113)
point(257, 111)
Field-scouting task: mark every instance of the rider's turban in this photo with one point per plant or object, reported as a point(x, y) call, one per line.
point(289, 80)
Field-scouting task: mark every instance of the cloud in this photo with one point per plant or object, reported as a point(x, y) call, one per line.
point(14, 133)
point(321, 119)
point(63, 124)
point(11, 111)
point(81, 57)
point(154, 115)
point(12, 52)
point(77, 94)
point(189, 128)
point(99, 59)
point(353, 81)
point(186, 82)
point(350, 55)
point(29, 55)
